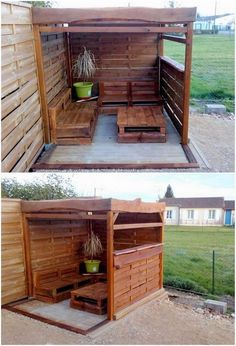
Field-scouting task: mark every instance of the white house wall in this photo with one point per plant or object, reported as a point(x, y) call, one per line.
point(175, 216)
point(201, 217)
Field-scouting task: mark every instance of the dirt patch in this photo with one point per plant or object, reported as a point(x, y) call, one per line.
point(214, 136)
point(166, 323)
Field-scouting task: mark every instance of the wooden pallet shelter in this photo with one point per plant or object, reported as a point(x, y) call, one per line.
point(51, 233)
point(128, 45)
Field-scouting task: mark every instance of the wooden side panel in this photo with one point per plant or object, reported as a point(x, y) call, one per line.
point(14, 282)
point(22, 133)
point(172, 90)
point(119, 56)
point(54, 60)
point(100, 228)
point(136, 280)
point(57, 242)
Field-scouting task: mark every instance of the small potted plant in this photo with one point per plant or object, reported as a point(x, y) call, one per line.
point(92, 248)
point(84, 68)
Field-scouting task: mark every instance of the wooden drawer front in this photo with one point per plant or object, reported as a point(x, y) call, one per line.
point(136, 280)
point(129, 258)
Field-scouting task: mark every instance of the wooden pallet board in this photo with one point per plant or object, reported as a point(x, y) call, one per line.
point(141, 124)
point(92, 298)
point(72, 122)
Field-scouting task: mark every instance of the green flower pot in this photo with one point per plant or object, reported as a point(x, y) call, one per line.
point(83, 89)
point(92, 266)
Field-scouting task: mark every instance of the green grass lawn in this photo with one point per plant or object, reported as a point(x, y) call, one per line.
point(188, 255)
point(212, 66)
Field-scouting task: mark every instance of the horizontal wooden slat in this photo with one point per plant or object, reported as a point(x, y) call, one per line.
point(137, 225)
point(113, 29)
point(159, 15)
point(12, 252)
point(22, 133)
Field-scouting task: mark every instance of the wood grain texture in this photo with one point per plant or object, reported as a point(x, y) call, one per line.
point(14, 277)
point(119, 56)
point(158, 15)
point(22, 128)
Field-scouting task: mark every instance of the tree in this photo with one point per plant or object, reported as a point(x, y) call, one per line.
point(41, 3)
point(55, 186)
point(169, 192)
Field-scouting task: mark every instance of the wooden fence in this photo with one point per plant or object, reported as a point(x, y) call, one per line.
point(54, 59)
point(22, 133)
point(120, 57)
point(14, 285)
point(172, 90)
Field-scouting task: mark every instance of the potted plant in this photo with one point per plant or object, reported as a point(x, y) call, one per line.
point(84, 68)
point(92, 248)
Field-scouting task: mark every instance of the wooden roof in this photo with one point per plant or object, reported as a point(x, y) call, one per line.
point(156, 15)
point(108, 204)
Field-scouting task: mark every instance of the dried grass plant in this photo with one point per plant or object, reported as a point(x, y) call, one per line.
point(93, 246)
point(84, 66)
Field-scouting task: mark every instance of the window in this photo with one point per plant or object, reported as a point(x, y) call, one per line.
point(212, 214)
point(190, 214)
point(169, 214)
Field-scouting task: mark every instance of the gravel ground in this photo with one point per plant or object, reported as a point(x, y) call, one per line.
point(166, 323)
point(214, 136)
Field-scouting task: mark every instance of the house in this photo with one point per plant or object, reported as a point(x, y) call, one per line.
point(197, 211)
point(215, 24)
point(229, 219)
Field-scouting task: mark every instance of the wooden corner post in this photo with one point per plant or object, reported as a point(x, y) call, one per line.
point(187, 82)
point(27, 255)
point(41, 82)
point(110, 267)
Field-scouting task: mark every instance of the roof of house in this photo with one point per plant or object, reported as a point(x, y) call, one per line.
point(230, 205)
point(195, 202)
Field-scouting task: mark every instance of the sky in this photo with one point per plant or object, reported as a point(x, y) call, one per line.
point(147, 186)
point(204, 7)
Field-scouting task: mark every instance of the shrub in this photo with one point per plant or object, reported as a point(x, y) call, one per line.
point(186, 284)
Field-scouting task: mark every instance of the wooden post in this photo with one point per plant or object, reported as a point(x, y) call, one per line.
point(27, 255)
point(68, 59)
point(110, 267)
point(160, 52)
point(161, 255)
point(41, 83)
point(187, 82)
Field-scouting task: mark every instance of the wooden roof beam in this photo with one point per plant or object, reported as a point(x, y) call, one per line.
point(115, 29)
point(109, 204)
point(69, 15)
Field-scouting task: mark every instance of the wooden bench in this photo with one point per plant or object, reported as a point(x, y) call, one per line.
point(129, 93)
point(54, 285)
point(141, 124)
point(50, 288)
point(92, 298)
point(71, 122)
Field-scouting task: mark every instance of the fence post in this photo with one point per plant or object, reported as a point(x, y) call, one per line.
point(213, 272)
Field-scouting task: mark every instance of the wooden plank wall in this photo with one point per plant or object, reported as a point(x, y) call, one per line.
point(100, 229)
point(22, 133)
point(14, 283)
point(119, 56)
point(127, 238)
point(136, 280)
point(172, 90)
point(54, 59)
point(56, 242)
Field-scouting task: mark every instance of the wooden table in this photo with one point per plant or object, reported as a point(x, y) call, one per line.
point(141, 124)
point(91, 298)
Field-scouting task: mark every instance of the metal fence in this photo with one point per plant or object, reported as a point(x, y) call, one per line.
point(199, 270)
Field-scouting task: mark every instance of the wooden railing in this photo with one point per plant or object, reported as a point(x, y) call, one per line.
point(137, 273)
point(172, 90)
